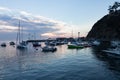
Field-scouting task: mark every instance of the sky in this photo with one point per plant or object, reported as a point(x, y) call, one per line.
point(50, 18)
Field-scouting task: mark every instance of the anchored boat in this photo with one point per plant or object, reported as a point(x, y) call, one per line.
point(3, 45)
point(20, 43)
point(74, 46)
point(113, 52)
point(12, 43)
point(49, 49)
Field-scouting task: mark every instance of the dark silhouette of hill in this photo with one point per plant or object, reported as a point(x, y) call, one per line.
point(107, 28)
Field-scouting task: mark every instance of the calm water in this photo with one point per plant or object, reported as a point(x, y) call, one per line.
point(65, 64)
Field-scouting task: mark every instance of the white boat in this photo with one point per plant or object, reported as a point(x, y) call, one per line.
point(95, 43)
point(113, 52)
point(49, 49)
point(75, 45)
point(65, 42)
point(114, 44)
point(20, 44)
point(59, 43)
point(86, 44)
point(52, 43)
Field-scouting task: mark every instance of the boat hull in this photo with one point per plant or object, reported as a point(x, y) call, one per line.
point(47, 49)
point(21, 47)
point(112, 53)
point(75, 47)
point(36, 45)
point(3, 45)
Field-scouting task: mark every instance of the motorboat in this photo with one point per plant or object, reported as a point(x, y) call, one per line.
point(95, 43)
point(86, 44)
point(36, 44)
point(52, 43)
point(3, 45)
point(49, 49)
point(113, 52)
point(12, 43)
point(75, 45)
point(59, 43)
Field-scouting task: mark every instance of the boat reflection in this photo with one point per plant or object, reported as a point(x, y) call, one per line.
point(112, 63)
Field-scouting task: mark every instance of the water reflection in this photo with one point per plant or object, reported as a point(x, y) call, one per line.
point(32, 64)
point(112, 63)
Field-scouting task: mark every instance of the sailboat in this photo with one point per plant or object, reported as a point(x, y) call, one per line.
point(75, 44)
point(20, 43)
point(36, 44)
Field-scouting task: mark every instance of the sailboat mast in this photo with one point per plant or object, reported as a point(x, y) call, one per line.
point(19, 31)
point(78, 35)
point(72, 33)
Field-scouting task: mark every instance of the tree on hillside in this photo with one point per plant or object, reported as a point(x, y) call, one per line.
point(114, 8)
point(110, 9)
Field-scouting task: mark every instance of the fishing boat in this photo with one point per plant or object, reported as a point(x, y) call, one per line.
point(49, 49)
point(3, 45)
point(20, 43)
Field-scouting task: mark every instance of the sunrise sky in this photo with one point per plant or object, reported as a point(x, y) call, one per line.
point(50, 18)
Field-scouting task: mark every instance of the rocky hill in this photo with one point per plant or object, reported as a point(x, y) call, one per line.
point(107, 27)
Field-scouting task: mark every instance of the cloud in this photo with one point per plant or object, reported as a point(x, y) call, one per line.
point(46, 27)
point(4, 9)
